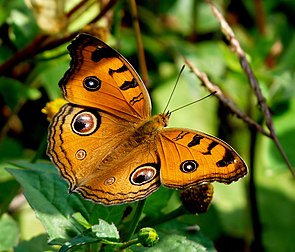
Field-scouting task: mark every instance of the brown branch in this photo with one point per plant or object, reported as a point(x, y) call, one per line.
point(260, 16)
point(42, 43)
point(236, 47)
point(76, 8)
point(141, 56)
point(226, 101)
point(27, 52)
point(106, 8)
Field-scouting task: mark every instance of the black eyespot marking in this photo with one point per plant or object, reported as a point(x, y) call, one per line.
point(209, 148)
point(195, 141)
point(92, 83)
point(227, 159)
point(86, 123)
point(143, 174)
point(129, 84)
point(188, 166)
point(102, 53)
point(119, 70)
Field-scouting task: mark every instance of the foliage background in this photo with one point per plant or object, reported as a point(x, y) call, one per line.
point(31, 68)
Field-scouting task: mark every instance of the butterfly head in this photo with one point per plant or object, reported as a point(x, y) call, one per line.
point(163, 119)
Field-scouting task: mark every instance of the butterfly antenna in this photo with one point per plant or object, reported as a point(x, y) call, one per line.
point(186, 105)
point(181, 70)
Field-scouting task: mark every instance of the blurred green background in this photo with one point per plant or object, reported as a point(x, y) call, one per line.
point(33, 58)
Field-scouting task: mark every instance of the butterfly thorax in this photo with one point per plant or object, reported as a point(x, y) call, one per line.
point(144, 134)
point(151, 126)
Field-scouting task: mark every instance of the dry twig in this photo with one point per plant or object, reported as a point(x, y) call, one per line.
point(141, 56)
point(225, 100)
point(43, 42)
point(236, 47)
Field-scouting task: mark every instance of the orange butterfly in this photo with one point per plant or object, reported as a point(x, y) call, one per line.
point(110, 149)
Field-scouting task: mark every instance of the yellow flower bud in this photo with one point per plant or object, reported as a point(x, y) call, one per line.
point(148, 237)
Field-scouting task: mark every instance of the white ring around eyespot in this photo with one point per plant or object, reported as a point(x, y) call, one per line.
point(80, 154)
point(109, 181)
point(93, 119)
point(140, 169)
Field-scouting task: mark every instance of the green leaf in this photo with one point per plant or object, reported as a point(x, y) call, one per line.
point(47, 194)
point(51, 73)
point(10, 149)
point(81, 220)
point(8, 190)
point(8, 232)
point(105, 230)
point(23, 25)
point(177, 243)
point(97, 233)
point(36, 244)
point(157, 201)
point(86, 237)
point(190, 234)
point(179, 236)
point(14, 91)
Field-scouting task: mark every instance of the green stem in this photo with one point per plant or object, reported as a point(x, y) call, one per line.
point(257, 227)
point(121, 245)
point(40, 151)
point(134, 223)
point(163, 218)
point(129, 243)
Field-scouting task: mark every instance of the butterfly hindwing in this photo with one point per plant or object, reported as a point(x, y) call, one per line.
point(92, 151)
point(129, 174)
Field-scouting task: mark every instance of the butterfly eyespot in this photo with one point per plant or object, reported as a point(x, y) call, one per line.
point(80, 154)
point(143, 174)
point(92, 83)
point(109, 181)
point(86, 123)
point(189, 166)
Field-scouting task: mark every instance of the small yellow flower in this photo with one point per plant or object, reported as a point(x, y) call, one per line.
point(53, 107)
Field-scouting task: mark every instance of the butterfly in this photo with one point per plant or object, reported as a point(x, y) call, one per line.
point(110, 149)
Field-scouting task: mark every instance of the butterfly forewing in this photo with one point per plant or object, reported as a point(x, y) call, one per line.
point(190, 157)
point(102, 78)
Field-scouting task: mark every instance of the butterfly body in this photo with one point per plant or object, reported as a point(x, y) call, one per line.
point(110, 149)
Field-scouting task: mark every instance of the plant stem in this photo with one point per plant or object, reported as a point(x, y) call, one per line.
point(129, 243)
point(134, 223)
point(121, 245)
point(40, 151)
point(256, 222)
point(163, 218)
